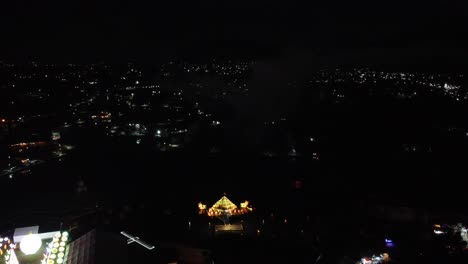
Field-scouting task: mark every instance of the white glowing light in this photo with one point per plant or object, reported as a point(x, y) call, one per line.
point(30, 244)
point(438, 232)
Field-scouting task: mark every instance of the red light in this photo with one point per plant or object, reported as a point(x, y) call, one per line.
point(298, 184)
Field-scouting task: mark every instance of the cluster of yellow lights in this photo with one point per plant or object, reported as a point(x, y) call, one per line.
point(245, 205)
point(8, 249)
point(201, 206)
point(224, 206)
point(57, 248)
point(4, 245)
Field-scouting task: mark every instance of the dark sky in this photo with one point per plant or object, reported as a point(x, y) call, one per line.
point(333, 31)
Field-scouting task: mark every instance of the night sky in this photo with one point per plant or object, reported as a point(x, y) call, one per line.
point(348, 32)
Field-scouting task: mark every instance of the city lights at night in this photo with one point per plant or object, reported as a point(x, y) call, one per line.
point(339, 132)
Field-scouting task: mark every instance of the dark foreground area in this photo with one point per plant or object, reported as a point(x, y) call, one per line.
point(303, 213)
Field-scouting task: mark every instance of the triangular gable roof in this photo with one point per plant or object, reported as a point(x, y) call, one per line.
point(224, 204)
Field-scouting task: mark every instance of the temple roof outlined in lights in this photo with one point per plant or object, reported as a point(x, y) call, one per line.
point(224, 209)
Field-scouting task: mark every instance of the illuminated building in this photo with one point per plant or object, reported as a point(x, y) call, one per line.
point(224, 209)
point(29, 246)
